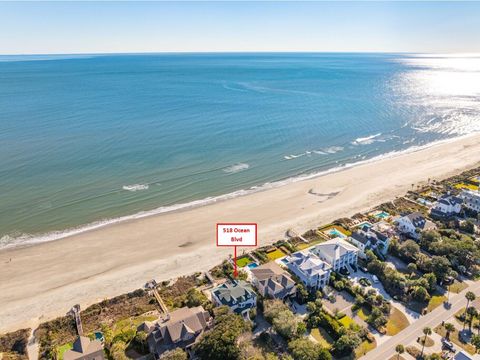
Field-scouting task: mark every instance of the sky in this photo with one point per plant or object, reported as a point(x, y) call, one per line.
point(122, 27)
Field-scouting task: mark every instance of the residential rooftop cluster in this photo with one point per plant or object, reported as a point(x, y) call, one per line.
point(335, 292)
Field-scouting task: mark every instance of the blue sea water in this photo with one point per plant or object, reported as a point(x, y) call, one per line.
point(93, 138)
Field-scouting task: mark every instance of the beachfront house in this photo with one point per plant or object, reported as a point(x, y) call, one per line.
point(179, 329)
point(413, 224)
point(368, 238)
point(310, 269)
point(238, 295)
point(272, 281)
point(447, 206)
point(471, 199)
point(85, 349)
point(338, 253)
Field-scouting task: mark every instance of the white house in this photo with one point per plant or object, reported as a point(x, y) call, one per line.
point(310, 269)
point(238, 295)
point(471, 199)
point(273, 281)
point(337, 253)
point(369, 239)
point(447, 206)
point(409, 224)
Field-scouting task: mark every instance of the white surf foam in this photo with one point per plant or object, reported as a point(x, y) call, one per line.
point(135, 187)
point(27, 239)
point(236, 168)
point(365, 140)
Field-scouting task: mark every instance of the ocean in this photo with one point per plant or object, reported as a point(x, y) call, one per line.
point(87, 140)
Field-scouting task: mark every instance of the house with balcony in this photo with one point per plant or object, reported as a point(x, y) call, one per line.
point(471, 199)
point(272, 281)
point(368, 238)
point(179, 329)
point(238, 295)
point(313, 272)
point(338, 253)
point(446, 206)
point(413, 224)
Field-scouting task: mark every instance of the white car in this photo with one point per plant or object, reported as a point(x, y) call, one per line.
point(375, 279)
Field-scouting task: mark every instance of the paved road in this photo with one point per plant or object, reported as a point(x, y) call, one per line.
point(409, 334)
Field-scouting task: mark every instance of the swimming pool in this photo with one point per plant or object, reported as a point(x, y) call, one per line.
point(252, 265)
point(335, 232)
point(364, 224)
point(382, 215)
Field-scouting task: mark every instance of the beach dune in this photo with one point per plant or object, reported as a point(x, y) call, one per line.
point(44, 280)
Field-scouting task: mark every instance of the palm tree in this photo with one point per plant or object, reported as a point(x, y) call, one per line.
point(399, 349)
point(426, 331)
point(449, 327)
point(473, 313)
point(470, 296)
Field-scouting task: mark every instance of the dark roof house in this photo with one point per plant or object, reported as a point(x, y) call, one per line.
point(85, 349)
point(180, 328)
point(271, 280)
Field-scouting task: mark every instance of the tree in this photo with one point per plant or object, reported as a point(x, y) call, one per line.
point(348, 342)
point(117, 350)
point(449, 327)
point(176, 354)
point(470, 296)
point(412, 268)
point(472, 312)
point(409, 249)
point(399, 349)
point(421, 294)
point(285, 323)
point(140, 340)
point(223, 337)
point(440, 267)
point(427, 331)
point(194, 298)
point(304, 349)
point(476, 341)
point(271, 308)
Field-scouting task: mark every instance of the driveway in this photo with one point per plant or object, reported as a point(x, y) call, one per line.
point(410, 314)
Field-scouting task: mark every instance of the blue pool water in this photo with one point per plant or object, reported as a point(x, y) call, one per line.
point(252, 265)
point(94, 138)
point(382, 215)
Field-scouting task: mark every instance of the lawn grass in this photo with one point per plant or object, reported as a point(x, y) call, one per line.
point(397, 321)
point(364, 348)
point(435, 302)
point(276, 254)
point(440, 330)
point(62, 349)
point(243, 261)
point(346, 321)
point(428, 343)
point(458, 286)
point(322, 337)
point(302, 246)
point(363, 313)
point(466, 186)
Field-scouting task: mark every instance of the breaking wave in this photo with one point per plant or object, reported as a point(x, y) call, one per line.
point(236, 168)
point(14, 240)
point(135, 187)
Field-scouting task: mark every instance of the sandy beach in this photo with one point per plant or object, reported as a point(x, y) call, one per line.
point(43, 281)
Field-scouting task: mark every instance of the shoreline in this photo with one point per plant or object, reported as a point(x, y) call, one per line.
point(49, 277)
point(26, 240)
